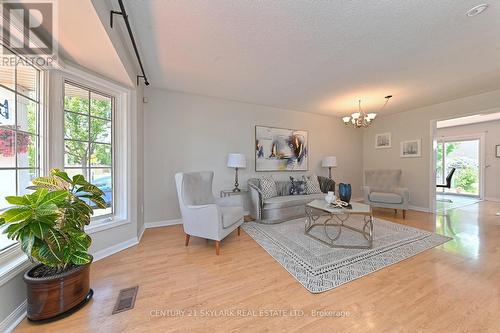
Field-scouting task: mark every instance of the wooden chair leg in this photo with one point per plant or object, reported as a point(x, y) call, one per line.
point(187, 240)
point(395, 212)
point(217, 247)
point(404, 214)
point(239, 231)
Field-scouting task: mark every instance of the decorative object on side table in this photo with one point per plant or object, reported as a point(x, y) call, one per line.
point(330, 197)
point(497, 148)
point(49, 224)
point(329, 162)
point(236, 161)
point(280, 149)
point(345, 192)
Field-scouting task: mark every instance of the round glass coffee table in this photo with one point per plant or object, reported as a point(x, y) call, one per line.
point(319, 213)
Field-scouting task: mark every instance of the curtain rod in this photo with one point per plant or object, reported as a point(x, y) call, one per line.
point(123, 13)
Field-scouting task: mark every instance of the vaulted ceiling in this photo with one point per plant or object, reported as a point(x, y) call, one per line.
point(320, 56)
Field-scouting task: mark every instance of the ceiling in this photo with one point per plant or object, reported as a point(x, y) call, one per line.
point(83, 40)
point(320, 56)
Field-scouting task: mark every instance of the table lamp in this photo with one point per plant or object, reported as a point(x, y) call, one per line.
point(236, 161)
point(329, 162)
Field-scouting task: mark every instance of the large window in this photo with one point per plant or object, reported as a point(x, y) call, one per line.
point(88, 138)
point(19, 128)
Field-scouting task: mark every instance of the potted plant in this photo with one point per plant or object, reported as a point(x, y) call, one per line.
point(49, 225)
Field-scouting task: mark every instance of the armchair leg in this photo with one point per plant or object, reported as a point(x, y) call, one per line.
point(395, 212)
point(217, 247)
point(404, 214)
point(187, 240)
point(239, 231)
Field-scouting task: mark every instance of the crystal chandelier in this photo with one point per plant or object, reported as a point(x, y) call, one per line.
point(361, 119)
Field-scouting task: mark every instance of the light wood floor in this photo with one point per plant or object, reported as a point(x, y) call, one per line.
point(452, 288)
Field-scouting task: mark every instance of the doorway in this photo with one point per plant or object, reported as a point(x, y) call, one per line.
point(459, 171)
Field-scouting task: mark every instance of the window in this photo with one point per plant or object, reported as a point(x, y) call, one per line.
point(19, 128)
point(88, 138)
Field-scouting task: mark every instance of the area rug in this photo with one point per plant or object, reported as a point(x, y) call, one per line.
point(319, 267)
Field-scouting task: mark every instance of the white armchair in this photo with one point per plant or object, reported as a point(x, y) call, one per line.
point(383, 189)
point(202, 214)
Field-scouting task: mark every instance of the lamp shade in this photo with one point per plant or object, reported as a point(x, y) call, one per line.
point(236, 161)
point(329, 161)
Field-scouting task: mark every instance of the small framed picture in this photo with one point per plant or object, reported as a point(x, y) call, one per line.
point(497, 151)
point(383, 140)
point(411, 148)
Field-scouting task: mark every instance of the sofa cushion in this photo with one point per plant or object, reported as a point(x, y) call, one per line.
point(298, 187)
point(290, 201)
point(231, 215)
point(312, 184)
point(384, 197)
point(267, 186)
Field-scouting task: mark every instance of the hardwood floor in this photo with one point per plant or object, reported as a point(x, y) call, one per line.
point(452, 288)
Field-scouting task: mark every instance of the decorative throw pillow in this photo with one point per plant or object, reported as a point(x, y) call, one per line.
point(326, 184)
point(268, 187)
point(298, 187)
point(312, 184)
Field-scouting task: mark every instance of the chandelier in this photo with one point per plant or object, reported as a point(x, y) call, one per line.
point(361, 119)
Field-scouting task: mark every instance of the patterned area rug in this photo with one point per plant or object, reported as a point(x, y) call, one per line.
point(319, 267)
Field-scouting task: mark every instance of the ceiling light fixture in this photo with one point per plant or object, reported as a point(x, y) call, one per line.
point(476, 10)
point(362, 119)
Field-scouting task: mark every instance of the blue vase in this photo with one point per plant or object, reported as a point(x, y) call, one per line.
point(345, 192)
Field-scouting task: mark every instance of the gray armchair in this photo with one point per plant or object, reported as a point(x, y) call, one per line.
point(383, 189)
point(202, 214)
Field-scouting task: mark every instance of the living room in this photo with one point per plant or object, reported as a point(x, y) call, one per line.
point(249, 166)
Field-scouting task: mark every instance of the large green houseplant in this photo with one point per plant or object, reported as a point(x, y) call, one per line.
point(49, 225)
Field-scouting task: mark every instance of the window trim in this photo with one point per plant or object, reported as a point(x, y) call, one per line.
point(109, 216)
point(13, 260)
point(122, 159)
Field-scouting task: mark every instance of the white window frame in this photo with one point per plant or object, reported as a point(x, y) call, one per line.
point(122, 137)
point(12, 259)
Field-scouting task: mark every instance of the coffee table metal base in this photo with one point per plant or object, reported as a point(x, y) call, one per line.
point(329, 221)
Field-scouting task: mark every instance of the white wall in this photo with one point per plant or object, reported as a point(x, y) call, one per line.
point(491, 130)
point(186, 132)
point(416, 124)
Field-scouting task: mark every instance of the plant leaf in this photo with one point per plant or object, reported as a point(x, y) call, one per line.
point(39, 229)
point(19, 201)
point(17, 214)
point(27, 244)
point(80, 258)
point(79, 180)
point(46, 182)
point(55, 197)
point(61, 174)
point(47, 209)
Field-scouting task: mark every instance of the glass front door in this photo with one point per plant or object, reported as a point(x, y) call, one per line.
point(464, 156)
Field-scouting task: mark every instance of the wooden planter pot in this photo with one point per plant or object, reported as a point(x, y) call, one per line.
point(55, 297)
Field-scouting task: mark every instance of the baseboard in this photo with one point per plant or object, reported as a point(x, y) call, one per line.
point(419, 209)
point(141, 232)
point(14, 319)
point(492, 199)
point(115, 248)
point(165, 223)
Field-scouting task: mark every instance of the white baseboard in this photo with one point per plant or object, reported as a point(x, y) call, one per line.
point(14, 319)
point(141, 232)
point(419, 209)
point(492, 199)
point(115, 248)
point(165, 223)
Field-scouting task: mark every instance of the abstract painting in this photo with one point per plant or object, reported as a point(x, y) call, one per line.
point(280, 149)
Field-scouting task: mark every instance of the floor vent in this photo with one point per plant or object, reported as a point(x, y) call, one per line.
point(126, 300)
